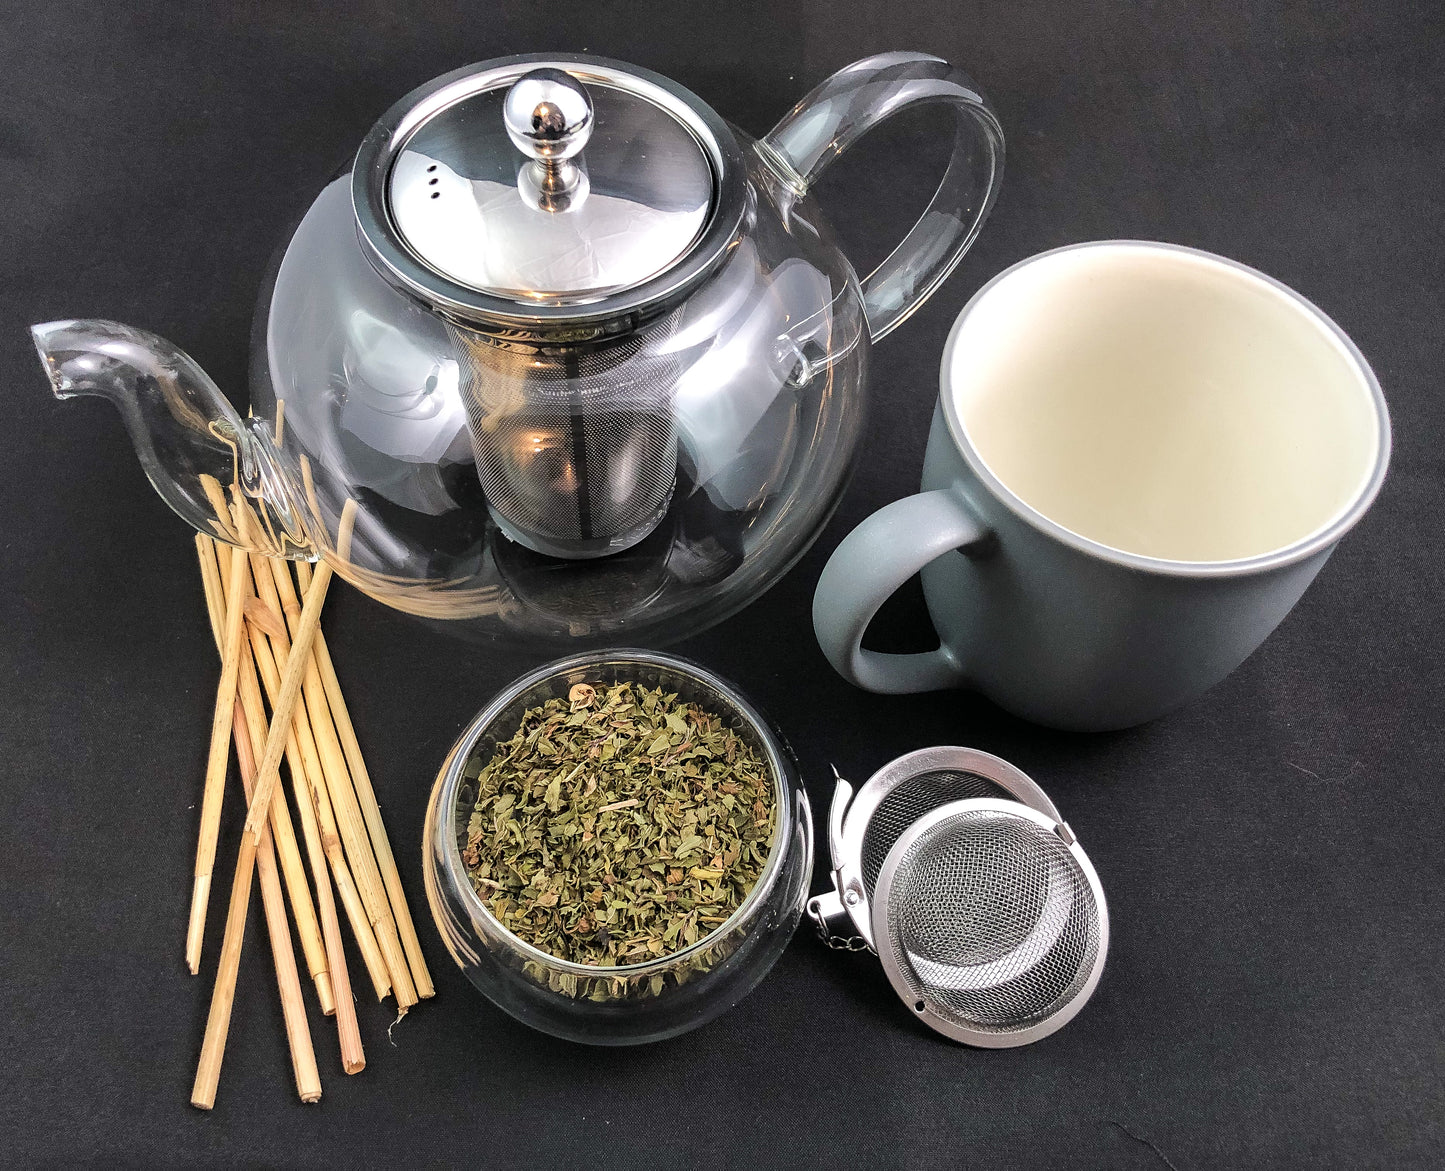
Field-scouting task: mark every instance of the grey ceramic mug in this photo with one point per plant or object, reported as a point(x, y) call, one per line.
point(1141, 456)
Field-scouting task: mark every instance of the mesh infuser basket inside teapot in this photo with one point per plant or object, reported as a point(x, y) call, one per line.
point(959, 872)
point(544, 200)
point(575, 445)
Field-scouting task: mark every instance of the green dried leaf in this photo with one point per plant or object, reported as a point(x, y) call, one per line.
point(616, 826)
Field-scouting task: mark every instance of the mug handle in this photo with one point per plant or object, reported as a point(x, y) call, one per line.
point(874, 560)
point(849, 104)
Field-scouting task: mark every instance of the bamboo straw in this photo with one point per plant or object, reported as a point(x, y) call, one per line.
point(353, 1057)
point(348, 814)
point(237, 588)
point(218, 1020)
point(248, 738)
point(301, 744)
point(217, 496)
point(282, 830)
point(293, 1009)
point(291, 679)
point(319, 799)
point(370, 810)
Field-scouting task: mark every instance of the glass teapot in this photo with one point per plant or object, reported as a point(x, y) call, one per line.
point(564, 356)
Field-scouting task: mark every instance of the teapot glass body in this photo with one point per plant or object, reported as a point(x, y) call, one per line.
point(578, 467)
point(715, 443)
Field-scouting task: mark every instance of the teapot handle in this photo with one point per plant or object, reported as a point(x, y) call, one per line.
point(849, 104)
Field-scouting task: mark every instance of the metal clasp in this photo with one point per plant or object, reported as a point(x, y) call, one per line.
point(835, 928)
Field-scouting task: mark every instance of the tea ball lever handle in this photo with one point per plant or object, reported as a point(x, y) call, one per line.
point(548, 115)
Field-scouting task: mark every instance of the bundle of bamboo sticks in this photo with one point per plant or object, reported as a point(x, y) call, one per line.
point(273, 654)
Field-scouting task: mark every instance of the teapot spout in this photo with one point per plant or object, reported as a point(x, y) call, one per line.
point(221, 475)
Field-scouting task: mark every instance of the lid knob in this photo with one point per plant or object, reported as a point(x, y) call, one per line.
point(548, 115)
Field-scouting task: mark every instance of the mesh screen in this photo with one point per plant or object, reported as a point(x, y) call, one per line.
point(573, 443)
point(992, 921)
point(909, 801)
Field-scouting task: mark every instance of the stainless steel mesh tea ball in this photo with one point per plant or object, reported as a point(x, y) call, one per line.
point(990, 922)
point(961, 874)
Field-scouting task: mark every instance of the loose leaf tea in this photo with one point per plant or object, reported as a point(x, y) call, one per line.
point(618, 825)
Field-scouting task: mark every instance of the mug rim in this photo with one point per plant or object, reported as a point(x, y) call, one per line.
point(1296, 551)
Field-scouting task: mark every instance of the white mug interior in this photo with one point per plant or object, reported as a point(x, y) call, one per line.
point(1165, 403)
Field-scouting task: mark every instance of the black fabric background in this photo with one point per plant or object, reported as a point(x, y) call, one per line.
point(1272, 854)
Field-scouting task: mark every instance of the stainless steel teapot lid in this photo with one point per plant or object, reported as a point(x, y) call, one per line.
point(548, 191)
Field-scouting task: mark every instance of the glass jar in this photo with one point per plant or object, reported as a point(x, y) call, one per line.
point(637, 1002)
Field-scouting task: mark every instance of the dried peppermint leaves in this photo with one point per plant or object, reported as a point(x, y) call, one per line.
point(618, 825)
